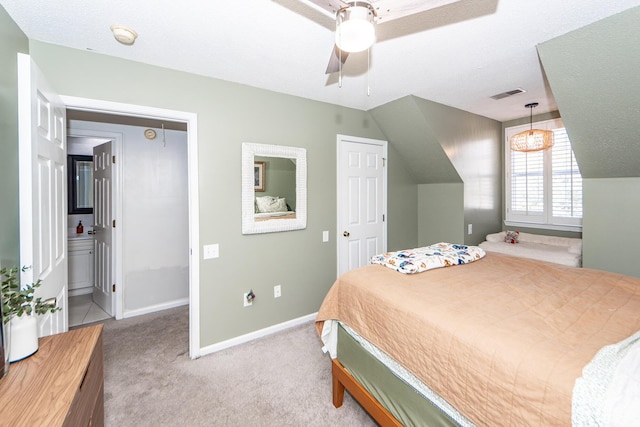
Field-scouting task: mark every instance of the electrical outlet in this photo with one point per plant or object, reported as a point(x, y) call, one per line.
point(246, 302)
point(277, 291)
point(469, 228)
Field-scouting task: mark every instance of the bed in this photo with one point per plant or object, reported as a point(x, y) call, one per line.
point(265, 216)
point(272, 207)
point(499, 341)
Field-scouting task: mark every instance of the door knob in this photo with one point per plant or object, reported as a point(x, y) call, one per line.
point(346, 234)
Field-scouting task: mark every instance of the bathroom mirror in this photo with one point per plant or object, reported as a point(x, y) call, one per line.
point(274, 188)
point(80, 190)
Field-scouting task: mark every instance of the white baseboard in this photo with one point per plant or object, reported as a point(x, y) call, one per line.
point(80, 291)
point(154, 308)
point(242, 339)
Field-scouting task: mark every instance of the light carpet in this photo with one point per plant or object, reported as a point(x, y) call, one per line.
point(280, 380)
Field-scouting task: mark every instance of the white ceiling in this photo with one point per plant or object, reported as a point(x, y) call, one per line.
point(458, 54)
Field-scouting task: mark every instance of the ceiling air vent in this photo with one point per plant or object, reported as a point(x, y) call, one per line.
point(508, 93)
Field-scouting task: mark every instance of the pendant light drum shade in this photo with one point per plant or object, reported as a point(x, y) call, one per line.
point(354, 28)
point(532, 139)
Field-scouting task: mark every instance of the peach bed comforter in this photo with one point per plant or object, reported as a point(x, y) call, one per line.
point(502, 339)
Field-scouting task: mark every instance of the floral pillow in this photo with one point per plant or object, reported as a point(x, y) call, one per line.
point(512, 237)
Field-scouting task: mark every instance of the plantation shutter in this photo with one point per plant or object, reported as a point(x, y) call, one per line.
point(527, 183)
point(566, 186)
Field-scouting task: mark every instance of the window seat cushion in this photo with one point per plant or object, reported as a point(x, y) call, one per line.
point(560, 250)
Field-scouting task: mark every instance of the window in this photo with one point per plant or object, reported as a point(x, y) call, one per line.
point(543, 188)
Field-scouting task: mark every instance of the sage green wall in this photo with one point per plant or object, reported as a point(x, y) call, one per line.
point(229, 114)
point(441, 144)
point(611, 231)
point(593, 73)
point(441, 208)
point(406, 129)
point(473, 144)
point(12, 41)
point(402, 204)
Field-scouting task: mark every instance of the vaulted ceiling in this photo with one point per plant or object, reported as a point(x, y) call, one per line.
point(458, 54)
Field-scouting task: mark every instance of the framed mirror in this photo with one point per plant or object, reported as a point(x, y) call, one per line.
point(80, 190)
point(274, 188)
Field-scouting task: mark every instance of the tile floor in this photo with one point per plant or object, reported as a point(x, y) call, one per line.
point(82, 310)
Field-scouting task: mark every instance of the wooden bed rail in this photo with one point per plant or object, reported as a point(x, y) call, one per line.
point(343, 379)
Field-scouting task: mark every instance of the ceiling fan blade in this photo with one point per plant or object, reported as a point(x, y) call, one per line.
point(388, 10)
point(327, 7)
point(337, 56)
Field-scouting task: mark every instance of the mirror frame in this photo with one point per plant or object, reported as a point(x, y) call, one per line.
point(249, 224)
point(72, 188)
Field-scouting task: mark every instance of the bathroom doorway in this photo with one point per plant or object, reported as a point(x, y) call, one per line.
point(150, 211)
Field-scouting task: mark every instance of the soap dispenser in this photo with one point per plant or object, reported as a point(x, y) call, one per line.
point(79, 228)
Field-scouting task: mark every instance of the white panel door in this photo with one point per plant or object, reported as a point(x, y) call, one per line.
point(43, 192)
point(103, 227)
point(362, 230)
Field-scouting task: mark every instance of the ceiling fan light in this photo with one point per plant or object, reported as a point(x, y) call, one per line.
point(354, 29)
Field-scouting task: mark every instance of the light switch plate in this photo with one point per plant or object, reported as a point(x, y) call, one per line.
point(211, 251)
point(325, 236)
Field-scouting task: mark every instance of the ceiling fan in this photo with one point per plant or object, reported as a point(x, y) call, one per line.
point(356, 20)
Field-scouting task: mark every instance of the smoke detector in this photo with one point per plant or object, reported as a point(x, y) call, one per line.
point(124, 35)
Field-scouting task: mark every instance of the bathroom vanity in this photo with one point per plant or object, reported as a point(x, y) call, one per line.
point(81, 265)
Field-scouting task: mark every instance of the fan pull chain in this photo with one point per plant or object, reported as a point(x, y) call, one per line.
point(340, 68)
point(368, 71)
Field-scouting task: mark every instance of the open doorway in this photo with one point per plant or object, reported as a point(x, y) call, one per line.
point(144, 194)
point(190, 119)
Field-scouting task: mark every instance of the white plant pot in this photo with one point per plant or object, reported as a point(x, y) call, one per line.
point(24, 337)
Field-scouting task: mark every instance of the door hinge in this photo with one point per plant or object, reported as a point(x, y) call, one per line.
point(113, 159)
point(114, 224)
point(113, 287)
point(384, 162)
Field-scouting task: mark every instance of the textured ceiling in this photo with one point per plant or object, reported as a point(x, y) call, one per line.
point(459, 54)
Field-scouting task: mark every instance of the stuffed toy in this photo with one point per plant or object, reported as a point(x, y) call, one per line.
point(512, 237)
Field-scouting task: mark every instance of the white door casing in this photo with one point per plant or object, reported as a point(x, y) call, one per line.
point(43, 193)
point(103, 227)
point(194, 220)
point(362, 201)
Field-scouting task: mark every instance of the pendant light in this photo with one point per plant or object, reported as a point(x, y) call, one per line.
point(532, 139)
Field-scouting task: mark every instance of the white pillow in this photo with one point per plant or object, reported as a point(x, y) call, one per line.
point(271, 204)
point(496, 237)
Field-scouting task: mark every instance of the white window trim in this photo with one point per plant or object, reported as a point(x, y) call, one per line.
point(543, 221)
point(520, 224)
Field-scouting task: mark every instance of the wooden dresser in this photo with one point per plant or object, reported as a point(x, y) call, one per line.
point(61, 385)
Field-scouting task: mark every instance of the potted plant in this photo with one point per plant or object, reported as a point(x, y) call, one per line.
point(19, 307)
